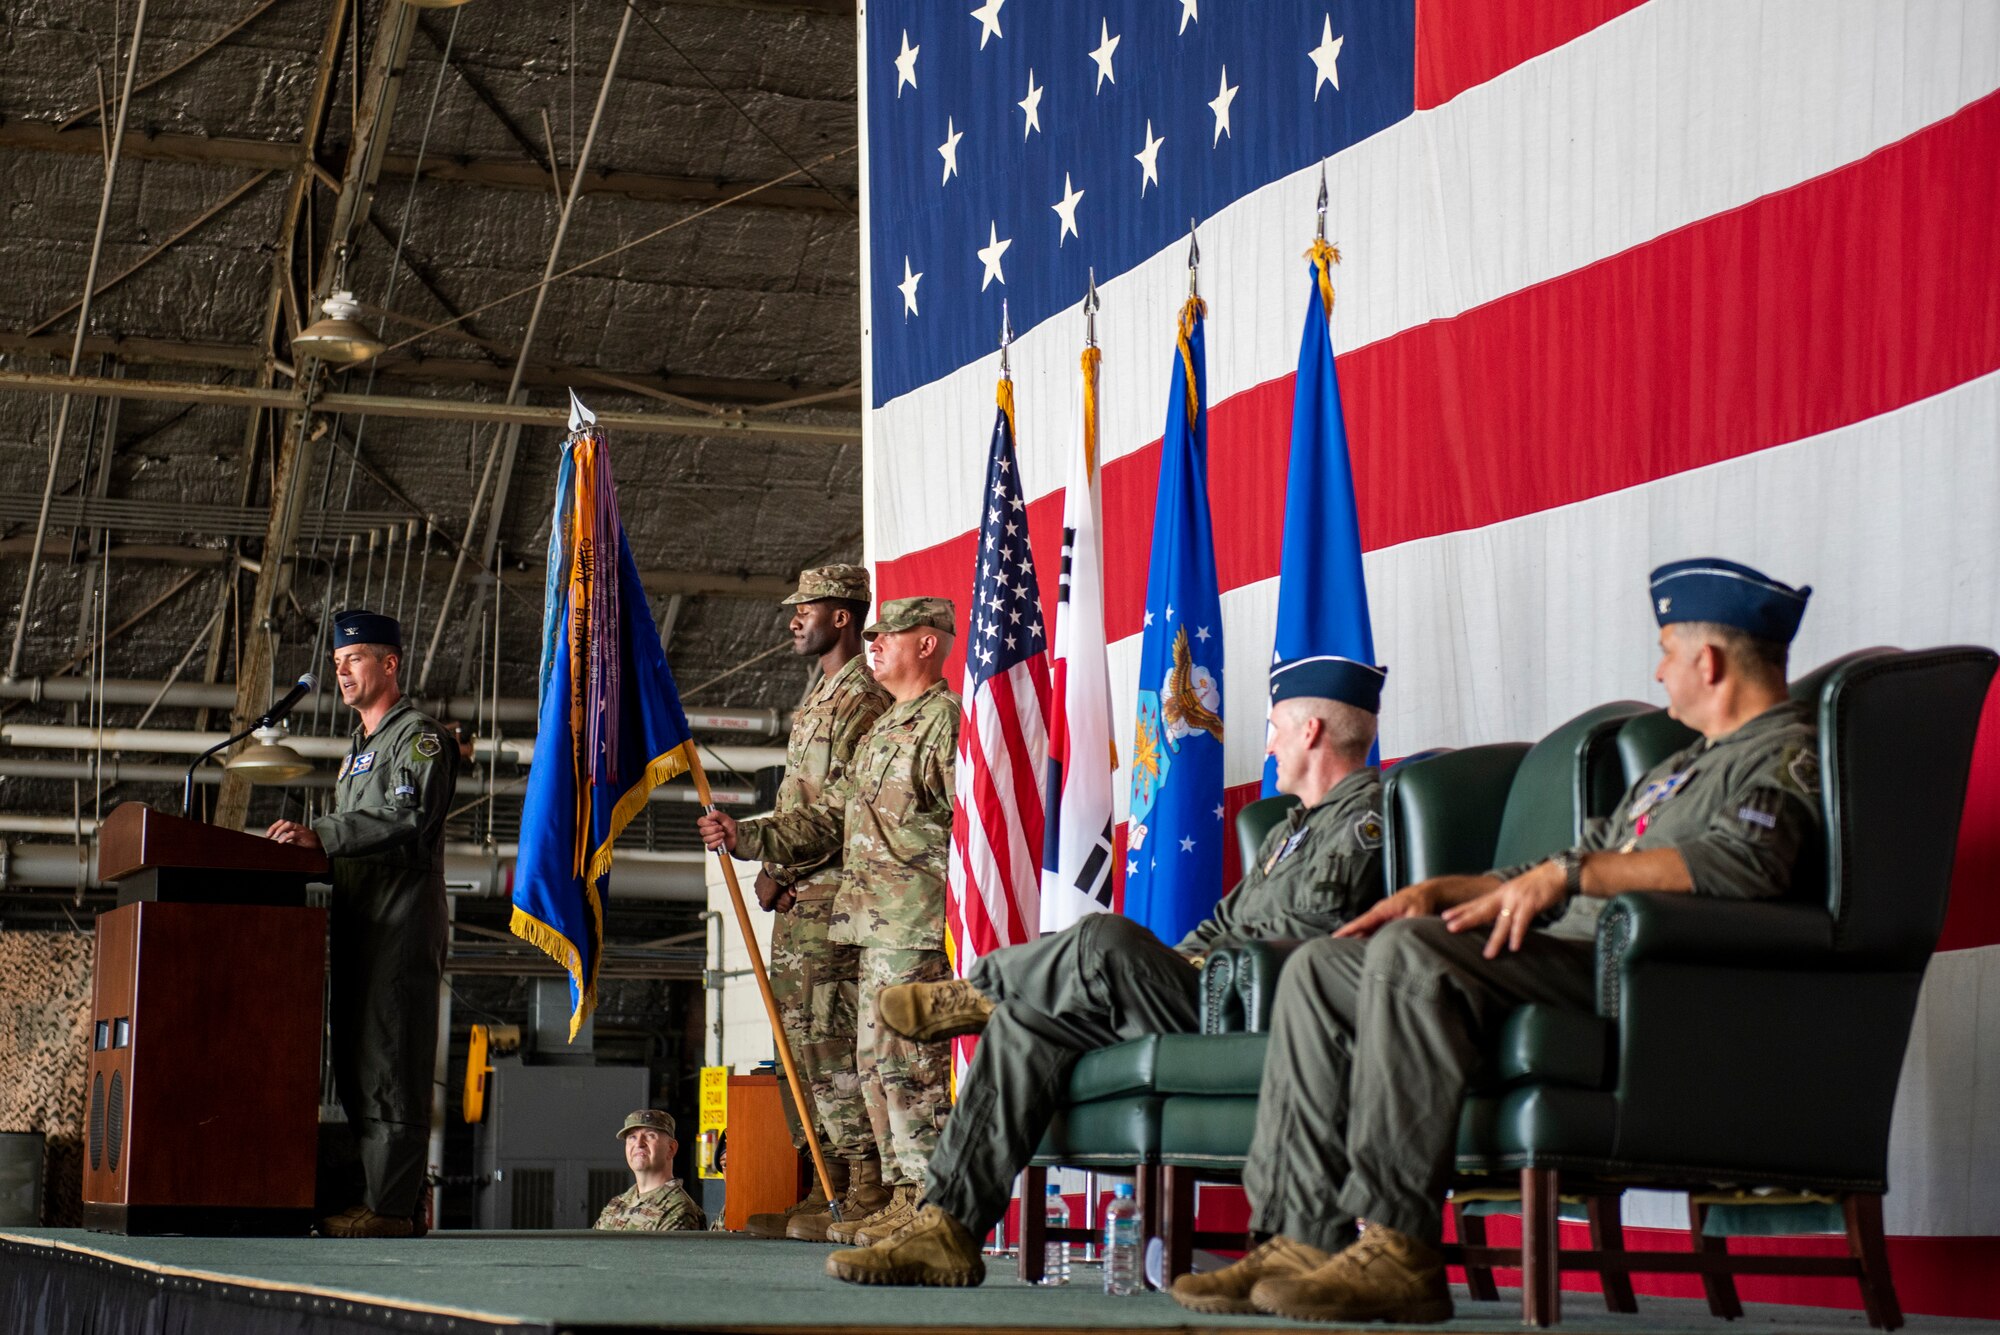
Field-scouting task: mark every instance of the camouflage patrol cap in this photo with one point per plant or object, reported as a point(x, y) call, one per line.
point(909, 613)
point(831, 582)
point(649, 1119)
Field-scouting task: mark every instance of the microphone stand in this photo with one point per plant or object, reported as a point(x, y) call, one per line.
point(187, 785)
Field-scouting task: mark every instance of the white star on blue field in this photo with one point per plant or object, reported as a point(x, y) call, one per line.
point(1015, 145)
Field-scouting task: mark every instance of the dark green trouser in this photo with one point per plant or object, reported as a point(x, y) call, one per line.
point(1102, 981)
point(1373, 1044)
point(387, 957)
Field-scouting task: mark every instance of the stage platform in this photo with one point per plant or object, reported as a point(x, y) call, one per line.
point(66, 1280)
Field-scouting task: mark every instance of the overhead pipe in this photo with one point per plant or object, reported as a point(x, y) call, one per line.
point(469, 869)
point(222, 695)
point(113, 152)
point(161, 741)
point(470, 783)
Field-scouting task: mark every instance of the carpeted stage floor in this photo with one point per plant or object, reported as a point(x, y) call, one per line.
point(65, 1280)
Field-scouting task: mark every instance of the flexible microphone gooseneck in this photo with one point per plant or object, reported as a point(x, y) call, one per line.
point(300, 689)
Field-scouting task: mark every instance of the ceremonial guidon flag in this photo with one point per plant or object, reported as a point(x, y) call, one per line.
point(1322, 592)
point(1175, 840)
point(1620, 281)
point(610, 727)
point(996, 818)
point(1078, 855)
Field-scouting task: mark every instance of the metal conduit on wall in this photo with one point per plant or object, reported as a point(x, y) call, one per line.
point(221, 695)
point(468, 868)
point(471, 783)
point(162, 741)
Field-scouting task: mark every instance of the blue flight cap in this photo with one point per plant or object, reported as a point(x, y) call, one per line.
point(358, 627)
point(1707, 588)
point(1329, 677)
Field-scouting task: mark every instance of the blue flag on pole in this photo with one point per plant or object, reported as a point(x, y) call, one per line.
point(1322, 595)
point(611, 727)
point(1174, 841)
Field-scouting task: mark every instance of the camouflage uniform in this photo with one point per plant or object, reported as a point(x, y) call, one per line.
point(890, 818)
point(813, 978)
point(659, 1210)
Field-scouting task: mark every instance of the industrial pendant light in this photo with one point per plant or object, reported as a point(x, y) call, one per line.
point(336, 336)
point(269, 760)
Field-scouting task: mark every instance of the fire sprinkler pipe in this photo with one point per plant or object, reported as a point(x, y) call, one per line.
point(469, 869)
point(161, 741)
point(222, 695)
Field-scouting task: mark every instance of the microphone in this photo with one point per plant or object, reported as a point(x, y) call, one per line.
point(299, 691)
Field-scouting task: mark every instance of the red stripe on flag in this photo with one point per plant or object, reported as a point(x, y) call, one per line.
point(1843, 298)
point(1463, 43)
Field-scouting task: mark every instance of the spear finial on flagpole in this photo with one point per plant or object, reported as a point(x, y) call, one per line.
point(1322, 199)
point(1194, 261)
point(1006, 338)
point(1090, 304)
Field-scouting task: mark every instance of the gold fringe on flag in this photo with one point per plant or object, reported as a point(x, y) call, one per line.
point(1324, 256)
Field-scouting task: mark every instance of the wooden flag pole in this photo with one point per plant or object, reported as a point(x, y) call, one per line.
point(799, 1099)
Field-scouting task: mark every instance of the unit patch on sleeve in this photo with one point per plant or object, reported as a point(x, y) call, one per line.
point(427, 746)
point(1368, 831)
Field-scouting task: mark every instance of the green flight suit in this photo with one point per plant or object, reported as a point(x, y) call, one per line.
point(1106, 979)
point(385, 837)
point(1374, 1043)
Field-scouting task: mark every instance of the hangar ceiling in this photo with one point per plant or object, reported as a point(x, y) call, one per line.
point(216, 480)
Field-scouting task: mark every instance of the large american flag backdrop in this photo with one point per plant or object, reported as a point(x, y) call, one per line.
point(1623, 282)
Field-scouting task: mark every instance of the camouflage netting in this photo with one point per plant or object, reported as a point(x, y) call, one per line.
point(44, 1039)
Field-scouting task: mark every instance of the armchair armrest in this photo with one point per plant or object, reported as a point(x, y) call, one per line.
point(1239, 980)
point(1650, 926)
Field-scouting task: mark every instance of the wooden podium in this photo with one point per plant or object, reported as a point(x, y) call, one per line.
point(202, 1111)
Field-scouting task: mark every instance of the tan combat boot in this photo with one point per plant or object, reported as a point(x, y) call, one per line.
point(1386, 1276)
point(902, 1209)
point(363, 1222)
point(1226, 1291)
point(777, 1223)
point(864, 1196)
point(929, 1012)
point(930, 1249)
point(844, 1231)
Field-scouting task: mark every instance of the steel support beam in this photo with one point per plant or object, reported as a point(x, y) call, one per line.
point(529, 174)
point(432, 410)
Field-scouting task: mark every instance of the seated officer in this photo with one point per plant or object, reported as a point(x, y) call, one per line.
point(655, 1200)
point(1107, 979)
point(1376, 1032)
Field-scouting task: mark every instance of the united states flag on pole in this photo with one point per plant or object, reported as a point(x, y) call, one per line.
point(1003, 743)
point(1622, 281)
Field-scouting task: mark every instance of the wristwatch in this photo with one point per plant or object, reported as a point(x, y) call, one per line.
point(1571, 863)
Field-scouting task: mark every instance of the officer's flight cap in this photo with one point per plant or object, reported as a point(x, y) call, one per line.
point(359, 627)
point(1707, 588)
point(648, 1119)
point(1329, 677)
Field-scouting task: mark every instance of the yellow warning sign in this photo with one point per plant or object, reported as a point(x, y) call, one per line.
point(714, 1119)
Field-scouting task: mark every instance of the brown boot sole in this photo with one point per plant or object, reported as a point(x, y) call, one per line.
point(1213, 1304)
point(905, 1276)
point(1431, 1311)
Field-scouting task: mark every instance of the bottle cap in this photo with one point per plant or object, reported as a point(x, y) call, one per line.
point(1124, 1189)
point(1054, 1190)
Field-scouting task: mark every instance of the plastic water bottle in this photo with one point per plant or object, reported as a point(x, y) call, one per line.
point(1055, 1255)
point(1121, 1243)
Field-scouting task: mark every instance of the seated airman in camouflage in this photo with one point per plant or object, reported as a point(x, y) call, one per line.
point(1040, 1006)
point(654, 1202)
point(1376, 1032)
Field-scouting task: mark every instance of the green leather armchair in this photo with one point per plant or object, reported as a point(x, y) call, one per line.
point(1663, 1087)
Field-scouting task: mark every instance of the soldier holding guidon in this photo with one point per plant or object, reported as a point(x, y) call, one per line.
point(889, 819)
point(813, 977)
